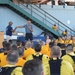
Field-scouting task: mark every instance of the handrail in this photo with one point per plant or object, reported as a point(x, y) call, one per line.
point(32, 7)
point(52, 17)
point(55, 18)
point(46, 19)
point(39, 15)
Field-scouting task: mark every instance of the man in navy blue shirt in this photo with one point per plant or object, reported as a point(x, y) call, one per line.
point(29, 29)
point(9, 31)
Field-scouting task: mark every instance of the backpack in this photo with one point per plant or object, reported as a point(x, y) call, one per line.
point(55, 66)
point(37, 57)
point(6, 70)
point(73, 57)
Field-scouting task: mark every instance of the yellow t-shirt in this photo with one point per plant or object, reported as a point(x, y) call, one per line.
point(68, 42)
point(65, 68)
point(16, 71)
point(44, 61)
point(20, 62)
point(54, 27)
point(3, 59)
point(60, 41)
point(69, 59)
point(28, 52)
point(46, 50)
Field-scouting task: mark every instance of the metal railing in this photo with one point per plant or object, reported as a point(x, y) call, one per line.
point(46, 18)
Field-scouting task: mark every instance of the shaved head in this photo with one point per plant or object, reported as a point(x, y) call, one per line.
point(55, 51)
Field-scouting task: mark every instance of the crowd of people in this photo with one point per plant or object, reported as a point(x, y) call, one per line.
point(53, 57)
point(50, 57)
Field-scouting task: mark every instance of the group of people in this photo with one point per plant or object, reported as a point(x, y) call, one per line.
point(28, 28)
point(53, 57)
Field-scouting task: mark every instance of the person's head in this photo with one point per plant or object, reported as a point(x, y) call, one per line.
point(33, 67)
point(4, 43)
point(68, 37)
point(55, 52)
point(14, 47)
point(62, 46)
point(63, 38)
point(59, 44)
point(10, 41)
point(18, 43)
point(47, 37)
point(66, 30)
point(42, 43)
point(37, 47)
point(20, 51)
point(29, 22)
point(54, 24)
point(69, 48)
point(10, 23)
point(51, 44)
point(23, 44)
point(12, 57)
point(28, 44)
point(7, 47)
point(73, 37)
point(59, 38)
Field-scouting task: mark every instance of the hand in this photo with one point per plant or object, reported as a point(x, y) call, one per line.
point(18, 27)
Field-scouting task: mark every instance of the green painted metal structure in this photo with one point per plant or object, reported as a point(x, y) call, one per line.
point(27, 15)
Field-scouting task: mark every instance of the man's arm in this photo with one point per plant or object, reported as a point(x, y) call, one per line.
point(16, 28)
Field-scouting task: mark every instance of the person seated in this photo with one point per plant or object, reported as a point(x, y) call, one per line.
point(65, 33)
point(44, 58)
point(54, 27)
point(4, 54)
point(21, 61)
point(58, 66)
point(33, 67)
point(3, 44)
point(12, 59)
point(29, 50)
point(70, 56)
point(68, 40)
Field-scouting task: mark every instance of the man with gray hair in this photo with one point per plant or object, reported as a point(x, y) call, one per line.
point(57, 65)
point(10, 68)
point(70, 56)
point(33, 67)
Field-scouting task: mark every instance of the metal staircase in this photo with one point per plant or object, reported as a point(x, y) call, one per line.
point(38, 16)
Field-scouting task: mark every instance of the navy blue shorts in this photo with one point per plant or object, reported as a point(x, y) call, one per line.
point(29, 36)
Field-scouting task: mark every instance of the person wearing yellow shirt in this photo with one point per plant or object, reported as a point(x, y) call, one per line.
point(70, 56)
point(60, 40)
point(57, 66)
point(44, 58)
point(18, 43)
point(63, 49)
point(54, 27)
point(28, 50)
point(68, 40)
point(21, 61)
point(12, 59)
point(44, 48)
point(3, 55)
point(64, 33)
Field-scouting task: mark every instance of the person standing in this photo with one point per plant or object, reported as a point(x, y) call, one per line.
point(9, 30)
point(29, 29)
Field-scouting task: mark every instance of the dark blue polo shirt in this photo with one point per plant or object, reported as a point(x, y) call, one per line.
point(8, 30)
